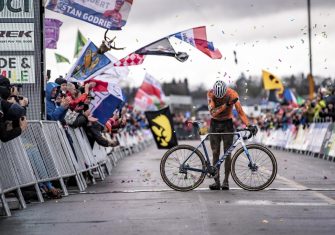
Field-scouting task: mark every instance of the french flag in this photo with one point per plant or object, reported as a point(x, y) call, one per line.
point(289, 97)
point(197, 37)
point(107, 98)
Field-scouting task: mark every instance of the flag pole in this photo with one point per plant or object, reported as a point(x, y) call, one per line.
point(309, 36)
point(310, 75)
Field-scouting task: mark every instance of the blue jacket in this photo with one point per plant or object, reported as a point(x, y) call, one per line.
point(54, 112)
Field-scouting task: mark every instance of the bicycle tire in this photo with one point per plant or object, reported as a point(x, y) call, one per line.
point(168, 154)
point(268, 153)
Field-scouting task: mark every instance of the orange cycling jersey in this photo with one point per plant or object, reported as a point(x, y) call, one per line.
point(219, 109)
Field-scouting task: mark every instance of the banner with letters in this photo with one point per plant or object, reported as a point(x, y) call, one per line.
point(17, 41)
point(108, 14)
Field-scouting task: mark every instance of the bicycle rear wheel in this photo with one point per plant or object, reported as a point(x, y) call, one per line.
point(258, 177)
point(177, 177)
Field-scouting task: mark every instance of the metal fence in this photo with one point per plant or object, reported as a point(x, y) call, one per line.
point(48, 152)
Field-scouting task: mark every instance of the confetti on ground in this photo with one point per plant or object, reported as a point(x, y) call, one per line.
point(292, 19)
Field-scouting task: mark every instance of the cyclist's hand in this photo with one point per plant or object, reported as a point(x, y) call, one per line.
point(253, 129)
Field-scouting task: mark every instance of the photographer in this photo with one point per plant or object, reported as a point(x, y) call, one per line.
point(12, 111)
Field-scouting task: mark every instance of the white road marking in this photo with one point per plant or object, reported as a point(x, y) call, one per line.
point(300, 188)
point(271, 203)
point(295, 184)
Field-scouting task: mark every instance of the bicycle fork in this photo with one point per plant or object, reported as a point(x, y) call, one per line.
point(252, 164)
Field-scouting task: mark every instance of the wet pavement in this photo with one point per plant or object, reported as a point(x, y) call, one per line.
point(135, 200)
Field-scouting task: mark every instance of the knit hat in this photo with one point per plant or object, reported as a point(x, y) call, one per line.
point(15, 112)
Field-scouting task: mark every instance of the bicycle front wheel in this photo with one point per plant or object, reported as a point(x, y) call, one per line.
point(254, 177)
point(178, 176)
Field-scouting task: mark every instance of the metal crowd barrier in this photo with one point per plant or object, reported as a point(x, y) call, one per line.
point(48, 152)
point(318, 139)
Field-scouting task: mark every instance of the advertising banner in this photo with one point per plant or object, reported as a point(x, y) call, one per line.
point(17, 41)
point(20, 69)
point(17, 37)
point(12, 9)
point(108, 14)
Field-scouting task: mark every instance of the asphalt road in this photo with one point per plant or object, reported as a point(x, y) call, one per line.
point(135, 200)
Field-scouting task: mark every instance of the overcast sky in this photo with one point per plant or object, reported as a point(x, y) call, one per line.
point(266, 34)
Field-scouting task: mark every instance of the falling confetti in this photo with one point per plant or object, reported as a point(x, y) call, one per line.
point(222, 32)
point(225, 73)
point(274, 36)
point(212, 25)
point(324, 34)
point(291, 46)
point(302, 40)
point(265, 221)
point(136, 40)
point(279, 60)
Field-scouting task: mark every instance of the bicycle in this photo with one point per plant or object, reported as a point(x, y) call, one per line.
point(188, 166)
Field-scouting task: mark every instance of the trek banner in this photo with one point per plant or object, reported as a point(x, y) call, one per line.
point(108, 14)
point(161, 126)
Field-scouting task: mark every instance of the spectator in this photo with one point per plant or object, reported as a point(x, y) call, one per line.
point(55, 112)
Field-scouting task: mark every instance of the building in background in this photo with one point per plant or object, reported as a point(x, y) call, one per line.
point(178, 96)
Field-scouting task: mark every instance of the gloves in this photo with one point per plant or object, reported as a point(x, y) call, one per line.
point(253, 129)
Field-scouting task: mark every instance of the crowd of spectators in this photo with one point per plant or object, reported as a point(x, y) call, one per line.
point(68, 103)
point(320, 109)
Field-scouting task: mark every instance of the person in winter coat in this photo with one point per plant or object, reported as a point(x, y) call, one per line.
point(55, 112)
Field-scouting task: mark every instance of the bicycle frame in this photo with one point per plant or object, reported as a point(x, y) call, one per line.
point(238, 140)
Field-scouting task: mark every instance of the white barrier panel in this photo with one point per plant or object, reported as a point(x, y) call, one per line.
point(45, 152)
point(317, 138)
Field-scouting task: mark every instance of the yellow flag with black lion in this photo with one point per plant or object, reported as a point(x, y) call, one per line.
point(161, 126)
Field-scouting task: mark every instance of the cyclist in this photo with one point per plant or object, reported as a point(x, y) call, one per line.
point(221, 100)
